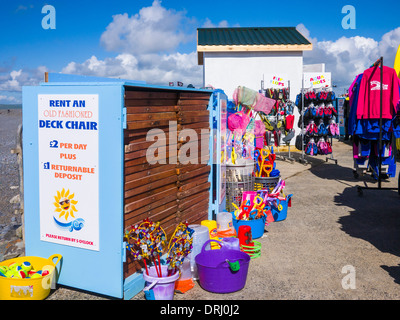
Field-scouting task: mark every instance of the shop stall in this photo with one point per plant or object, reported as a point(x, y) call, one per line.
point(128, 183)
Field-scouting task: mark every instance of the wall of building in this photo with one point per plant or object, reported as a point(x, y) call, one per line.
point(228, 70)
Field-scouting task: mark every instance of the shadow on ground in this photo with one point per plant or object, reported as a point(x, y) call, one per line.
point(374, 217)
point(298, 157)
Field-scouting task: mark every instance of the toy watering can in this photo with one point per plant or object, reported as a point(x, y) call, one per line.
point(234, 266)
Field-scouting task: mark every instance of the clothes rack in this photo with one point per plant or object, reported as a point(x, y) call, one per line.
point(276, 119)
point(331, 155)
point(379, 63)
point(322, 95)
point(302, 159)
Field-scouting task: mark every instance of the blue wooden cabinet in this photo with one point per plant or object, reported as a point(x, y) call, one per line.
point(74, 141)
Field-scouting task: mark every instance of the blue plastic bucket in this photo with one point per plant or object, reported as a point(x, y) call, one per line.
point(257, 226)
point(279, 212)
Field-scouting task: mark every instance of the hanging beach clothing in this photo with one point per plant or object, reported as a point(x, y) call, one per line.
point(318, 115)
point(353, 99)
point(368, 105)
point(365, 124)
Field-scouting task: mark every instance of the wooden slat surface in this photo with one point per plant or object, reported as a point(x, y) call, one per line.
point(149, 102)
point(151, 124)
point(149, 172)
point(169, 192)
point(197, 125)
point(148, 200)
point(153, 192)
point(194, 95)
point(132, 190)
point(148, 180)
point(184, 102)
point(137, 95)
point(150, 109)
point(192, 113)
point(151, 116)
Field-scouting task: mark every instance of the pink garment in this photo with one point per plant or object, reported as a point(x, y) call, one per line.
point(368, 105)
point(259, 130)
point(238, 121)
point(263, 103)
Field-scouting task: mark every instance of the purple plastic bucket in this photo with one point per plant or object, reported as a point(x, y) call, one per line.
point(216, 274)
point(159, 288)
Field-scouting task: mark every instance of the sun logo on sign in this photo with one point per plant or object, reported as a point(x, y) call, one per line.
point(65, 204)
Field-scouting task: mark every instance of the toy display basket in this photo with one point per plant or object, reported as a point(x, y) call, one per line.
point(239, 178)
point(265, 183)
point(29, 289)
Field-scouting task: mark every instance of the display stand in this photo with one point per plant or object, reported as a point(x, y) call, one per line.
point(281, 156)
point(331, 156)
point(302, 158)
point(288, 143)
point(379, 63)
point(288, 157)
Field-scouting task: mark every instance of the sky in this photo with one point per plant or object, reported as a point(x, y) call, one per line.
point(155, 40)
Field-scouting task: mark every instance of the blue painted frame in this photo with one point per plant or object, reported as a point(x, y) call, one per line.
point(215, 106)
point(97, 271)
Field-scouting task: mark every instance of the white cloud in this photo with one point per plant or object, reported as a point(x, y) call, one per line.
point(21, 7)
point(389, 44)
point(209, 24)
point(347, 57)
point(222, 24)
point(154, 29)
point(11, 83)
point(14, 80)
point(147, 46)
point(109, 67)
point(8, 99)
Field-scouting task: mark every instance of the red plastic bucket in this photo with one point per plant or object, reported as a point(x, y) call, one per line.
point(222, 270)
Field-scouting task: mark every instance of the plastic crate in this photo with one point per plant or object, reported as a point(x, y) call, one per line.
point(266, 183)
point(239, 178)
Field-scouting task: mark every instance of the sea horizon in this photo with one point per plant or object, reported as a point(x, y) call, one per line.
point(11, 106)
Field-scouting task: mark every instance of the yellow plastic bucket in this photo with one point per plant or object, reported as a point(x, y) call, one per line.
point(30, 289)
point(212, 229)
